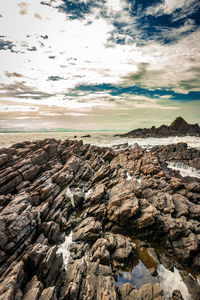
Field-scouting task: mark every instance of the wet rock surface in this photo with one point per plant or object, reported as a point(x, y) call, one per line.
point(179, 153)
point(105, 198)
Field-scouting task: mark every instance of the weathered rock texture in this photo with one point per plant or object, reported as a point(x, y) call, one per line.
point(48, 188)
point(179, 127)
point(179, 153)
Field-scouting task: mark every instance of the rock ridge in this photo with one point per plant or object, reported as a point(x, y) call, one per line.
point(179, 127)
point(105, 198)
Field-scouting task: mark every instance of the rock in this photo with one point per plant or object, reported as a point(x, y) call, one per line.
point(146, 291)
point(88, 230)
point(179, 127)
point(147, 218)
point(33, 289)
point(124, 251)
point(50, 188)
point(49, 293)
point(181, 207)
point(100, 252)
point(176, 295)
point(86, 136)
point(122, 205)
point(3, 159)
point(97, 194)
point(101, 173)
point(192, 285)
point(185, 246)
point(158, 292)
point(129, 292)
point(120, 146)
point(97, 281)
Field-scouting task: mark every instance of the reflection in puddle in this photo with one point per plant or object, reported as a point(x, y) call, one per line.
point(138, 276)
point(147, 268)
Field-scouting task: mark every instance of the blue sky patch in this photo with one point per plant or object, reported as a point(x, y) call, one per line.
point(139, 91)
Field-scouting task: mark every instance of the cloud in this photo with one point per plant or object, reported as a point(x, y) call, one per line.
point(142, 74)
point(19, 89)
point(100, 54)
point(117, 90)
point(23, 8)
point(5, 44)
point(14, 74)
point(54, 78)
point(38, 16)
point(170, 6)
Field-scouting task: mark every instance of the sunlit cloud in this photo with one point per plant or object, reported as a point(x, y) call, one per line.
point(139, 49)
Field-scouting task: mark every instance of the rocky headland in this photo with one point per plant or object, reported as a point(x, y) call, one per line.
point(115, 206)
point(179, 127)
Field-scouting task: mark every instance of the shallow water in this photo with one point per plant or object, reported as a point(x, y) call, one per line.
point(147, 260)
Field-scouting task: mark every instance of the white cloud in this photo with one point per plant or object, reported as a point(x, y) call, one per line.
point(82, 47)
point(169, 6)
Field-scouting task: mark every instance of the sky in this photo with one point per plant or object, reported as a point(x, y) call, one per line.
point(98, 65)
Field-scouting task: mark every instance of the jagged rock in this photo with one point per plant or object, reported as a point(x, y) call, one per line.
point(49, 293)
point(192, 285)
point(179, 127)
point(88, 230)
point(129, 292)
point(100, 252)
point(50, 188)
point(146, 291)
point(96, 279)
point(97, 194)
point(158, 293)
point(123, 251)
point(33, 289)
point(176, 295)
point(122, 204)
point(181, 207)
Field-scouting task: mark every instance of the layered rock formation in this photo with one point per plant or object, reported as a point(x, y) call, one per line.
point(179, 153)
point(179, 127)
point(51, 188)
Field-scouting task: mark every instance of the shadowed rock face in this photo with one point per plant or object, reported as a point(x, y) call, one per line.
point(179, 153)
point(50, 188)
point(179, 127)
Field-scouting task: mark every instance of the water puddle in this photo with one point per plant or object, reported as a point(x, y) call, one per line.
point(148, 268)
point(78, 214)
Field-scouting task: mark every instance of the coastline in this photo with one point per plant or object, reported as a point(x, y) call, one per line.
point(97, 138)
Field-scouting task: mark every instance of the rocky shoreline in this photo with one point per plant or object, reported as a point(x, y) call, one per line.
point(179, 127)
point(105, 199)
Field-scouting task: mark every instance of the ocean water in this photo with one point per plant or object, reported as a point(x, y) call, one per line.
point(105, 139)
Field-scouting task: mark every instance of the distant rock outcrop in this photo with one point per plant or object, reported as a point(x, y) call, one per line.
point(179, 127)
